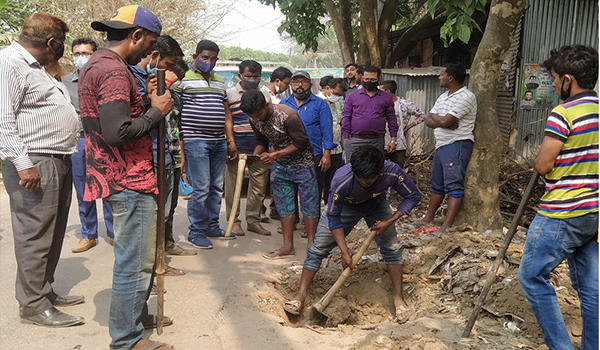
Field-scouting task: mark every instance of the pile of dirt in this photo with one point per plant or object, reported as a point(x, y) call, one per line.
point(442, 281)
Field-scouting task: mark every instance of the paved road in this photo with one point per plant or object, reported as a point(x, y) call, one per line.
point(214, 306)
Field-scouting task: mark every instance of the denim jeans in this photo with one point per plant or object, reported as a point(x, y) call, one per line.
point(549, 242)
point(88, 215)
point(389, 246)
point(134, 217)
point(205, 169)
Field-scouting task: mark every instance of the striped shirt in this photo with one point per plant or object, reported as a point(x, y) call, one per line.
point(35, 113)
point(242, 130)
point(405, 109)
point(462, 104)
point(572, 184)
point(203, 113)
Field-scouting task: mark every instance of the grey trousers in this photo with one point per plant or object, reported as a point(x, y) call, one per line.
point(355, 143)
point(39, 221)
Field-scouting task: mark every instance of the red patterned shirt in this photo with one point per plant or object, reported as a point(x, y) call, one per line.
point(117, 144)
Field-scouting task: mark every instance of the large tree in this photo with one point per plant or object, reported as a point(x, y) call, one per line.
point(360, 26)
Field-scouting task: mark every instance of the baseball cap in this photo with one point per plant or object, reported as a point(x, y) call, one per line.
point(128, 17)
point(301, 73)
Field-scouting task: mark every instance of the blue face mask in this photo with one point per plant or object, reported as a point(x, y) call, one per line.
point(80, 61)
point(151, 71)
point(204, 67)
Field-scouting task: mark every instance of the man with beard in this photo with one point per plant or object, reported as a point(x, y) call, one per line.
point(38, 134)
point(365, 115)
point(120, 167)
point(353, 78)
point(318, 122)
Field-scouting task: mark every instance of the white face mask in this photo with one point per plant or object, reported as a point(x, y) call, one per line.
point(334, 98)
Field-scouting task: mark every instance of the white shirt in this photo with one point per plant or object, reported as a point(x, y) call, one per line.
point(35, 113)
point(275, 98)
point(462, 104)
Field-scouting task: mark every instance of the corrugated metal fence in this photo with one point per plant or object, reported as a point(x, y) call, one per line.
point(549, 24)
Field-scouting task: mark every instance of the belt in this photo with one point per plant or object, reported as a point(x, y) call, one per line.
point(368, 136)
point(48, 155)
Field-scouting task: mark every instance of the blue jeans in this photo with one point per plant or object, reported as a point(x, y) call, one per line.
point(205, 169)
point(87, 210)
point(389, 246)
point(134, 216)
point(549, 242)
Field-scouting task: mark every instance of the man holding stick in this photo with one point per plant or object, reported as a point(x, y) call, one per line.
point(119, 164)
point(566, 225)
point(358, 190)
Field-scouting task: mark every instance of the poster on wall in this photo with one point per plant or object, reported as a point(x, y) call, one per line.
point(537, 91)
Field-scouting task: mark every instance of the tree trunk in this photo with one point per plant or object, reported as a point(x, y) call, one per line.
point(369, 44)
point(342, 28)
point(385, 24)
point(407, 41)
point(481, 206)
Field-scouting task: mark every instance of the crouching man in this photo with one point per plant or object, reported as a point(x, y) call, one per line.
point(358, 190)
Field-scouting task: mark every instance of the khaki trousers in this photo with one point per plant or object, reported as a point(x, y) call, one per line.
point(257, 185)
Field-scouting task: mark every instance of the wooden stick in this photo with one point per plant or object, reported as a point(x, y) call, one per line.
point(326, 299)
point(237, 193)
point(491, 275)
point(160, 213)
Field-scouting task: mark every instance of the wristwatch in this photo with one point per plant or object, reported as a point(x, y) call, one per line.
point(394, 142)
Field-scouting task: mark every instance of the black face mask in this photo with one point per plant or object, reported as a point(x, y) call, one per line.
point(565, 94)
point(58, 54)
point(370, 85)
point(302, 95)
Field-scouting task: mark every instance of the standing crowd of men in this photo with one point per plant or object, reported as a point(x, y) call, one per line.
point(95, 129)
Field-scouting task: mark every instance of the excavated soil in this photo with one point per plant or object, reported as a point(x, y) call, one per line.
point(443, 277)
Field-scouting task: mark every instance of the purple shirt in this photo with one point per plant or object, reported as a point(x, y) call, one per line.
point(367, 115)
point(346, 192)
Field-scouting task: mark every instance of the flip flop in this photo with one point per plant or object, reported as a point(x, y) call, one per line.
point(178, 251)
point(424, 229)
point(172, 271)
point(274, 255)
point(146, 344)
point(293, 307)
point(151, 321)
point(403, 313)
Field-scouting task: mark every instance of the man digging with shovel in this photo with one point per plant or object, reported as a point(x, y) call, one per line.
point(358, 190)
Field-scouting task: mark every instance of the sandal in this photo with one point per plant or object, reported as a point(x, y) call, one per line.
point(151, 321)
point(274, 255)
point(293, 307)
point(172, 271)
point(403, 313)
point(177, 250)
point(146, 344)
point(154, 290)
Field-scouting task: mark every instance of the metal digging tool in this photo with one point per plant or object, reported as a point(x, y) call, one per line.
point(491, 275)
point(160, 220)
point(326, 299)
point(237, 193)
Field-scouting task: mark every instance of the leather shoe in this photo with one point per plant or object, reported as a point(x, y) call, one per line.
point(83, 245)
point(68, 300)
point(238, 230)
point(52, 318)
point(257, 228)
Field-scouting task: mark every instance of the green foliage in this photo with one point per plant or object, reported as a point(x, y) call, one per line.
point(304, 20)
point(235, 53)
point(13, 15)
point(459, 21)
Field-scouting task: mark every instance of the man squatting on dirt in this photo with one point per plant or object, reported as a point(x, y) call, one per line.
point(358, 190)
point(566, 225)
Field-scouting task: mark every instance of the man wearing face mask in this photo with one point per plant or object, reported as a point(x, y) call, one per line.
point(365, 115)
point(249, 74)
point(280, 82)
point(82, 49)
point(208, 142)
point(332, 91)
point(38, 134)
point(120, 166)
point(318, 122)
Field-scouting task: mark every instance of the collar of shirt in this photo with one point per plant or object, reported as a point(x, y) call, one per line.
point(364, 92)
point(291, 101)
point(239, 88)
point(26, 55)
